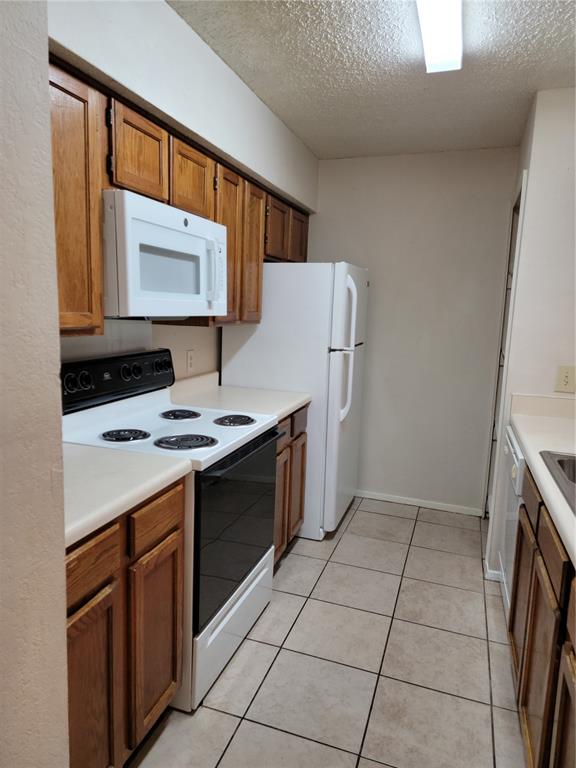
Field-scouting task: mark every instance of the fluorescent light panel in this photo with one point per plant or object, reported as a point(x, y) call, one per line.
point(441, 29)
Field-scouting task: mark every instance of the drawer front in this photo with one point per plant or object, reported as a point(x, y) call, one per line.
point(299, 421)
point(92, 564)
point(532, 499)
point(555, 558)
point(285, 427)
point(150, 524)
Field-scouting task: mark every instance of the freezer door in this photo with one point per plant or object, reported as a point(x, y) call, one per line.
point(350, 304)
point(343, 434)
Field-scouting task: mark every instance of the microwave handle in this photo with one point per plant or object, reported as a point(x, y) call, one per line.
point(213, 271)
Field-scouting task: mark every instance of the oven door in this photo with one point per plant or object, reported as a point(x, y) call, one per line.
point(233, 523)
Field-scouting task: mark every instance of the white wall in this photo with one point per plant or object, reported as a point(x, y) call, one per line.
point(33, 688)
point(146, 49)
point(432, 229)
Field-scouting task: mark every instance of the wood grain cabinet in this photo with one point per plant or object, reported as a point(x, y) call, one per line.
point(78, 149)
point(192, 177)
point(563, 749)
point(229, 210)
point(290, 480)
point(282, 505)
point(298, 241)
point(526, 547)
point(297, 483)
point(277, 229)
point(139, 153)
point(125, 603)
point(252, 253)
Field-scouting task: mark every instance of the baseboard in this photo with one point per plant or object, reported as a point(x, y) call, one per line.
point(420, 503)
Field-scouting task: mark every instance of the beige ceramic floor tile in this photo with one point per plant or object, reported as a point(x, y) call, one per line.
point(369, 763)
point(379, 526)
point(364, 552)
point(507, 739)
point(188, 741)
point(458, 541)
point(497, 630)
point(316, 699)
point(435, 605)
point(503, 692)
point(297, 574)
point(256, 746)
point(310, 548)
point(436, 659)
point(358, 588)
point(454, 519)
point(279, 615)
point(492, 587)
point(445, 568)
point(389, 508)
point(236, 686)
point(342, 634)
point(412, 727)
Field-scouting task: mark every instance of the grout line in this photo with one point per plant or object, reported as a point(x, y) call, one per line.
point(490, 683)
point(299, 736)
point(435, 690)
point(438, 629)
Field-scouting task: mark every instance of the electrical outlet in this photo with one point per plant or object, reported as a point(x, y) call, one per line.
point(565, 378)
point(190, 355)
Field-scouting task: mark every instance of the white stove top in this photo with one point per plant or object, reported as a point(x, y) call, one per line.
point(143, 413)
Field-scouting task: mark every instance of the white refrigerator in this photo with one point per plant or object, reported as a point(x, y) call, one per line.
point(312, 338)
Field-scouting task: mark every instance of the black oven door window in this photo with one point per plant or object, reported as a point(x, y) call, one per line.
point(234, 523)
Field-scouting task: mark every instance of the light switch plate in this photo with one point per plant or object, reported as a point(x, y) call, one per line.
point(566, 378)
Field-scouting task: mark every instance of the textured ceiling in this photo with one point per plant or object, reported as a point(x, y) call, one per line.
point(348, 77)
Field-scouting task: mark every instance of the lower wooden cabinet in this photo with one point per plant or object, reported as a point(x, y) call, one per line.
point(526, 547)
point(290, 480)
point(124, 630)
point(282, 506)
point(563, 750)
point(297, 483)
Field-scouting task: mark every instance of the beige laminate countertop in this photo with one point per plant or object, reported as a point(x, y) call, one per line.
point(203, 391)
point(102, 483)
point(548, 424)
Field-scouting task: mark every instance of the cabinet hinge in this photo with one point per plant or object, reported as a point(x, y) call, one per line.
point(109, 117)
point(267, 210)
point(265, 239)
point(215, 183)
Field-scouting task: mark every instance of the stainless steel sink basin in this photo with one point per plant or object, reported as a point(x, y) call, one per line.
point(562, 467)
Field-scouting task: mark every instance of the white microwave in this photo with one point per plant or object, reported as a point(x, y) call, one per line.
point(160, 261)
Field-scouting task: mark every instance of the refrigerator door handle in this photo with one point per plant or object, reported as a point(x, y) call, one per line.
point(351, 287)
point(348, 404)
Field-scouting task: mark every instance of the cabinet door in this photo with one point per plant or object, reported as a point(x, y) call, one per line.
point(563, 751)
point(191, 179)
point(277, 228)
point(298, 250)
point(229, 198)
point(297, 484)
point(95, 685)
point(539, 665)
point(78, 133)
point(523, 560)
point(140, 153)
point(253, 253)
point(156, 600)
point(282, 506)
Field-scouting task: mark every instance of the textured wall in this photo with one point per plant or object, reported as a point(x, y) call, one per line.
point(33, 697)
point(432, 230)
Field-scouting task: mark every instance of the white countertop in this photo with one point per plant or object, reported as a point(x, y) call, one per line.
point(548, 426)
point(203, 391)
point(100, 484)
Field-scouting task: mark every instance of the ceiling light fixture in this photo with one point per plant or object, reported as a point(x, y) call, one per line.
point(441, 29)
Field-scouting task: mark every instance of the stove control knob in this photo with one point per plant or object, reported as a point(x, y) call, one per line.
point(136, 370)
point(125, 372)
point(85, 380)
point(71, 383)
point(157, 366)
point(166, 367)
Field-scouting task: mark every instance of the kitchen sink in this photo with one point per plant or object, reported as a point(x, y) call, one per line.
point(562, 467)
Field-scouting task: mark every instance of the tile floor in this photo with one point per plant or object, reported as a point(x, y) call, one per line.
point(382, 646)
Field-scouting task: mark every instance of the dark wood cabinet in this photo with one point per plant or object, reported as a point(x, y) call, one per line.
point(277, 229)
point(563, 749)
point(297, 483)
point(229, 209)
point(78, 149)
point(192, 176)
point(298, 247)
point(139, 153)
point(526, 547)
point(282, 505)
point(252, 253)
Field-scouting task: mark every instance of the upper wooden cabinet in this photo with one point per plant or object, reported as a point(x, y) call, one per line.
point(298, 249)
point(78, 149)
point(191, 179)
point(252, 253)
point(277, 228)
point(139, 153)
point(229, 200)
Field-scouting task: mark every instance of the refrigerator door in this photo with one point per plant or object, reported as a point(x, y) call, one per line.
point(350, 302)
point(344, 433)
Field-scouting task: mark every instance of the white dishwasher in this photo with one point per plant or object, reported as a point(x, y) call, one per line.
point(514, 464)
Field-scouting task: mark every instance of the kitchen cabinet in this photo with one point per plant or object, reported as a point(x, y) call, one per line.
point(192, 179)
point(125, 603)
point(526, 547)
point(252, 253)
point(78, 150)
point(290, 480)
point(139, 153)
point(563, 750)
point(298, 241)
point(229, 210)
point(277, 228)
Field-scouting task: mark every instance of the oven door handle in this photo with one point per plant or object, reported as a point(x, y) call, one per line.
point(220, 473)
